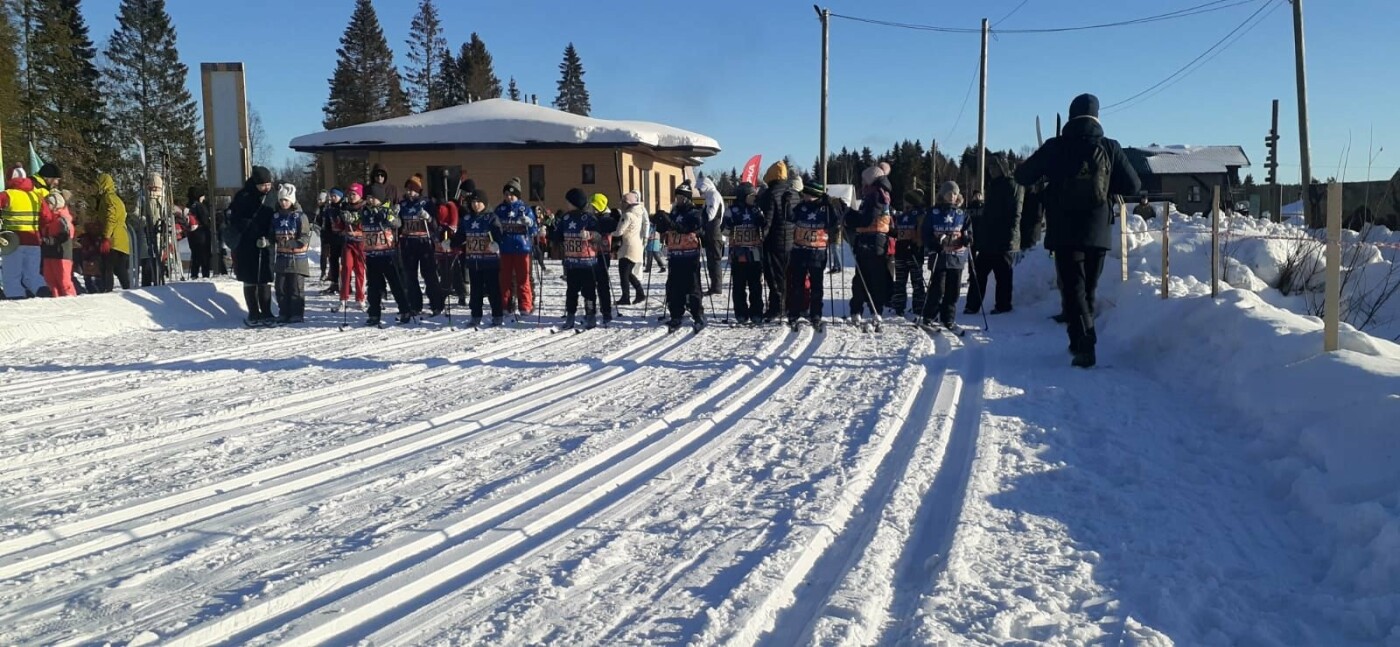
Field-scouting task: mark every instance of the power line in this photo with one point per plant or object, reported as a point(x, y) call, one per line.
point(1214, 5)
point(976, 70)
point(1204, 57)
point(1010, 13)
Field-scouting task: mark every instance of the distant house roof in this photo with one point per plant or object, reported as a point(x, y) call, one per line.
point(1186, 160)
point(502, 123)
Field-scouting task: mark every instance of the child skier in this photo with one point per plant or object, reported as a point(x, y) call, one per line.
point(416, 237)
point(477, 233)
point(746, 225)
point(908, 257)
point(352, 256)
point(577, 232)
point(56, 245)
point(380, 227)
point(291, 233)
point(681, 229)
point(945, 237)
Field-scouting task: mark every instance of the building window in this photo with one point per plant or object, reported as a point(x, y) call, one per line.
point(590, 174)
point(673, 188)
point(1194, 195)
point(656, 182)
point(442, 182)
point(536, 183)
point(631, 178)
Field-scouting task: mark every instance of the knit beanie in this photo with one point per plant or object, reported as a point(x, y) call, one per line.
point(337, 193)
point(357, 189)
point(776, 173)
point(914, 197)
point(287, 192)
point(479, 196)
point(513, 187)
point(1084, 105)
point(414, 183)
point(684, 189)
point(814, 189)
point(631, 197)
point(949, 187)
point(599, 202)
point(260, 176)
point(50, 170)
point(576, 197)
point(466, 188)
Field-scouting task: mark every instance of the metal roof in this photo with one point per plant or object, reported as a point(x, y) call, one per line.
point(1186, 160)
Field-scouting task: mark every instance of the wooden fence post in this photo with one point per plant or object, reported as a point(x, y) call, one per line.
point(1333, 307)
point(1166, 248)
point(1215, 242)
point(1123, 234)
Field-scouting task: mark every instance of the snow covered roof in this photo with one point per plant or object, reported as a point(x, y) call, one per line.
point(504, 123)
point(1186, 160)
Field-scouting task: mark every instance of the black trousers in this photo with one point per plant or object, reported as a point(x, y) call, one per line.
point(200, 256)
point(421, 260)
point(486, 284)
point(871, 285)
point(775, 262)
point(683, 289)
point(627, 275)
point(602, 285)
point(908, 270)
point(291, 295)
point(713, 255)
point(1078, 271)
point(381, 270)
point(943, 289)
point(335, 249)
point(258, 297)
point(450, 276)
point(580, 281)
point(989, 264)
point(747, 289)
point(798, 274)
point(116, 265)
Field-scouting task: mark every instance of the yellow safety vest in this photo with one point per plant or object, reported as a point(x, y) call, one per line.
point(22, 214)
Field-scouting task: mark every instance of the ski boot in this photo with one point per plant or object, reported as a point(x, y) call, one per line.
point(698, 325)
point(817, 324)
point(568, 323)
point(497, 322)
point(373, 321)
point(405, 317)
point(475, 322)
point(672, 325)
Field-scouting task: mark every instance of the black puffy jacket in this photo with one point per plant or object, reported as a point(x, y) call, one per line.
point(1061, 156)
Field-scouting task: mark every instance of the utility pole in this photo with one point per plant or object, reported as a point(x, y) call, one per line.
point(1305, 155)
point(982, 116)
point(1275, 192)
point(825, 15)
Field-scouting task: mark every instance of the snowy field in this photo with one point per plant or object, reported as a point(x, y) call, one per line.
point(168, 476)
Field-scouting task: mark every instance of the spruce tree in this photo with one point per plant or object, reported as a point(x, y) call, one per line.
point(63, 92)
point(449, 79)
point(11, 88)
point(365, 86)
point(573, 95)
point(477, 72)
point(513, 91)
point(426, 46)
point(147, 100)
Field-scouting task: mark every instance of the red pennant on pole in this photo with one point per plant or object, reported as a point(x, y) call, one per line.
point(750, 173)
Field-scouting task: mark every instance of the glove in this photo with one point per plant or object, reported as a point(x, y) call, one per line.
point(106, 246)
point(262, 243)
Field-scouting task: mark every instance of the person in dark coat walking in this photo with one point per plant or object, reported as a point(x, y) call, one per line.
point(777, 202)
point(1083, 169)
point(998, 232)
point(200, 234)
point(250, 230)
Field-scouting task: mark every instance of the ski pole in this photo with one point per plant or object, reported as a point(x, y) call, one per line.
point(981, 289)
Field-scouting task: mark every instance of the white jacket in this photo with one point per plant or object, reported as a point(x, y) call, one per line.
point(714, 202)
point(630, 233)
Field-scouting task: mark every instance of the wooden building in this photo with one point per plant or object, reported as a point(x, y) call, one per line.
point(1186, 175)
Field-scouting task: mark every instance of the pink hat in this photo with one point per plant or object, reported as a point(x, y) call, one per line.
point(358, 189)
point(632, 197)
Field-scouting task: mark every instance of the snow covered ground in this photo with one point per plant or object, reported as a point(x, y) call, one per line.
point(167, 476)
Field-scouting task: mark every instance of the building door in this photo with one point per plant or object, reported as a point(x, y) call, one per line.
point(443, 182)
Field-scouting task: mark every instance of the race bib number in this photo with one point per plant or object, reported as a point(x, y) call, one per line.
point(810, 237)
point(577, 246)
point(378, 240)
point(415, 227)
point(477, 245)
point(682, 242)
point(746, 236)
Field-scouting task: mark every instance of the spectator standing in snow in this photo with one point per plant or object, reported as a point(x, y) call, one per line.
point(777, 202)
point(379, 177)
point(518, 226)
point(1084, 168)
point(681, 230)
point(250, 223)
point(577, 232)
point(477, 233)
point(945, 236)
point(998, 232)
point(1144, 209)
point(291, 233)
point(714, 214)
point(446, 217)
point(629, 251)
point(108, 226)
point(19, 212)
point(198, 234)
point(745, 224)
point(56, 245)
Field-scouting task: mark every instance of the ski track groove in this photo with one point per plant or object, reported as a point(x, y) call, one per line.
point(325, 466)
point(300, 403)
point(543, 504)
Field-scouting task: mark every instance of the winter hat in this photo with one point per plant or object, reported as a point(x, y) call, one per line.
point(686, 190)
point(868, 176)
point(18, 173)
point(466, 188)
point(50, 170)
point(379, 192)
point(155, 182)
point(195, 193)
point(287, 192)
point(336, 193)
point(949, 187)
point(914, 197)
point(631, 197)
point(321, 197)
point(797, 184)
point(814, 189)
point(56, 201)
point(512, 187)
point(414, 183)
point(379, 170)
point(776, 173)
point(599, 202)
point(260, 176)
point(479, 196)
point(744, 190)
point(1084, 105)
point(576, 197)
point(357, 189)
point(884, 167)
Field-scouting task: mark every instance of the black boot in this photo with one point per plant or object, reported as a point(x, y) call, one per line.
point(250, 298)
point(265, 303)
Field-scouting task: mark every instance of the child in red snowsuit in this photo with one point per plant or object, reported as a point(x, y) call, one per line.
point(56, 245)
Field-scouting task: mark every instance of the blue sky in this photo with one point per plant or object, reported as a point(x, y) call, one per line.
point(747, 72)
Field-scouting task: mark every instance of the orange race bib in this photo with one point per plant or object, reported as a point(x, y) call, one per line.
point(477, 244)
point(576, 245)
point(746, 236)
point(810, 237)
point(682, 242)
point(379, 240)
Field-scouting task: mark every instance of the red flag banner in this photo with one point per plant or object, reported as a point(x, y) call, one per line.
point(750, 173)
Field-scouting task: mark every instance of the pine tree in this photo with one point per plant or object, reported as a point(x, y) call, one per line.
point(147, 100)
point(426, 46)
point(573, 95)
point(365, 86)
point(450, 80)
point(64, 103)
point(11, 88)
point(513, 91)
point(475, 67)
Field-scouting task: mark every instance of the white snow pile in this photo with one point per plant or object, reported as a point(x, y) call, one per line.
point(183, 306)
point(502, 121)
point(1325, 424)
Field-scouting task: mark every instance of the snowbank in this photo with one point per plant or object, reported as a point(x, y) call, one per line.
point(194, 305)
point(1325, 424)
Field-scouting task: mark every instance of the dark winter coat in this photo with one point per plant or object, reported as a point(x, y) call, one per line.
point(945, 237)
point(815, 224)
point(201, 226)
point(419, 225)
point(869, 229)
point(380, 228)
point(680, 231)
point(577, 232)
point(999, 225)
point(476, 237)
point(746, 226)
point(1032, 218)
point(249, 219)
point(777, 202)
point(391, 192)
point(291, 230)
point(906, 233)
point(1063, 155)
